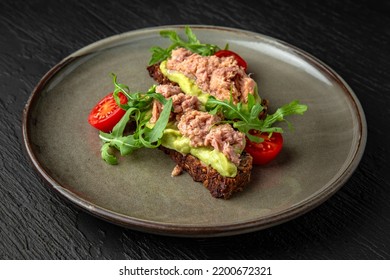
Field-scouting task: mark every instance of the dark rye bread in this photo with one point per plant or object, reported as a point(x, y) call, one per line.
point(218, 185)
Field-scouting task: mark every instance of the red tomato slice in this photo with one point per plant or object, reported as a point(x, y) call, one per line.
point(106, 114)
point(267, 150)
point(240, 61)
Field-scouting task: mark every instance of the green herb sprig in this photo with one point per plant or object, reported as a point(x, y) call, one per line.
point(192, 43)
point(245, 117)
point(137, 111)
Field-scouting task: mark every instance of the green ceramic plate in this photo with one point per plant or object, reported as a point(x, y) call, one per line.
point(139, 193)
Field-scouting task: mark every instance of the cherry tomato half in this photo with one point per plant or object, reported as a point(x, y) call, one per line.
point(106, 114)
point(267, 150)
point(240, 61)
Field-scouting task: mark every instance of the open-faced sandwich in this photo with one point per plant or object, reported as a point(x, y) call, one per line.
point(205, 113)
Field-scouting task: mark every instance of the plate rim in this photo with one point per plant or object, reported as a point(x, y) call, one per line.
point(163, 228)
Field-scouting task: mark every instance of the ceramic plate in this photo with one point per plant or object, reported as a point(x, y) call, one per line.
point(139, 193)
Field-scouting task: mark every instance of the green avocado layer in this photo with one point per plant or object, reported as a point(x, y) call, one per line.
point(173, 139)
point(187, 85)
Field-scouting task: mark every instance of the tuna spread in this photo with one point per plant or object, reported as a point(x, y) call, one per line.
point(221, 77)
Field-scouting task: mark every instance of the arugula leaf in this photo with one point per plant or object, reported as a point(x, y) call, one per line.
point(119, 128)
point(293, 108)
point(106, 154)
point(155, 134)
point(137, 111)
point(142, 137)
point(192, 43)
point(245, 117)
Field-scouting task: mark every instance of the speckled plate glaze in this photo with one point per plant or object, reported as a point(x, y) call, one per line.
point(139, 193)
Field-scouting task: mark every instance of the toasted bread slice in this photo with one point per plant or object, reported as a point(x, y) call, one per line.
point(218, 185)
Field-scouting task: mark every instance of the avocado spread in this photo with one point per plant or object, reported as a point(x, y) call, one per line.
point(172, 139)
point(187, 85)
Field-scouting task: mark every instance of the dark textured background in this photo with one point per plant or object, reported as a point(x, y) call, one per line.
point(353, 37)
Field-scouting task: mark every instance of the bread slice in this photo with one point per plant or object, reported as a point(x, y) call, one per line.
point(218, 185)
